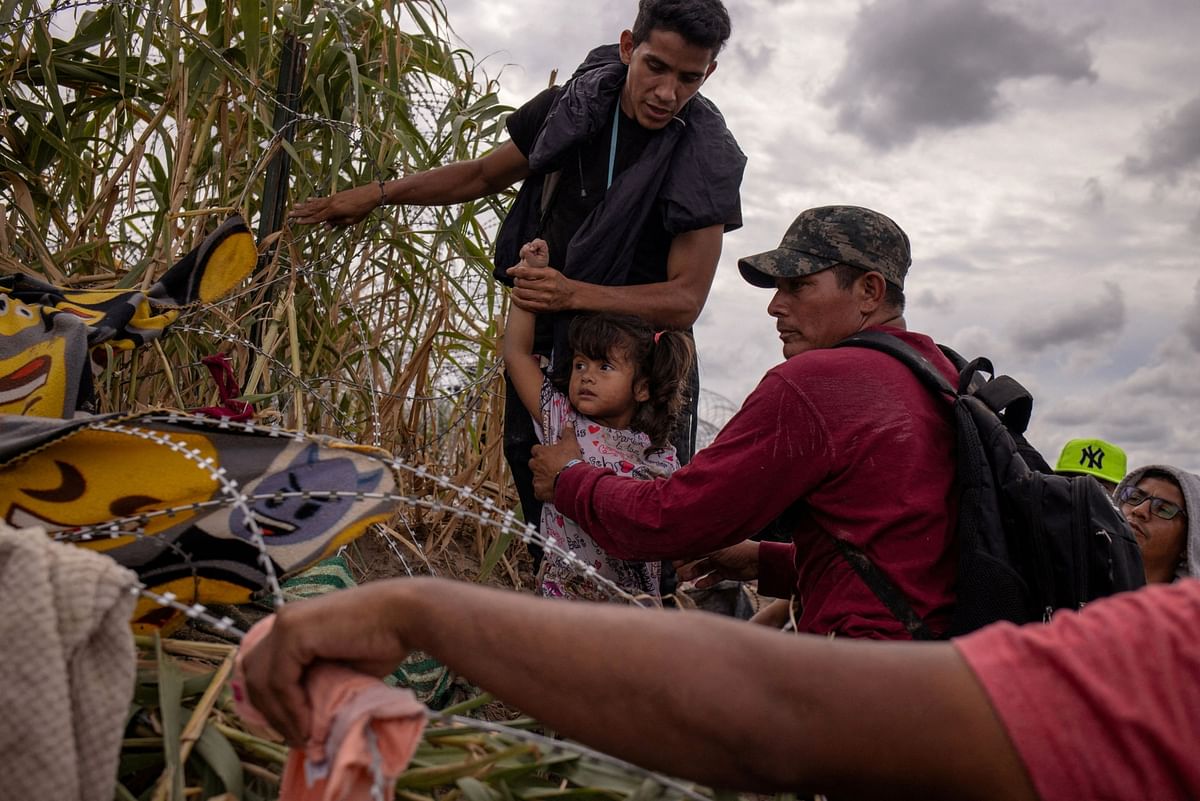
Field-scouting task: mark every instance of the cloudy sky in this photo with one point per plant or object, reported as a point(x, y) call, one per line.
point(1043, 157)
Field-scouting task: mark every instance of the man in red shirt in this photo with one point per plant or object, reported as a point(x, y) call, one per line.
point(841, 443)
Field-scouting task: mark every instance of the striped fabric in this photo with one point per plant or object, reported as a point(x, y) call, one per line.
point(430, 680)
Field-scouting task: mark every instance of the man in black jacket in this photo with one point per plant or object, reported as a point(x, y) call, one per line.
point(630, 176)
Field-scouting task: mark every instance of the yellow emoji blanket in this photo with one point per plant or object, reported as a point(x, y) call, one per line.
point(207, 510)
point(47, 332)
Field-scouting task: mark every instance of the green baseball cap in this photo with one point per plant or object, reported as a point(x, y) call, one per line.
point(822, 237)
point(1093, 457)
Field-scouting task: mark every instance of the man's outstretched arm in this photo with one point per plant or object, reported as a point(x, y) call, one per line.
point(452, 183)
point(689, 694)
point(674, 303)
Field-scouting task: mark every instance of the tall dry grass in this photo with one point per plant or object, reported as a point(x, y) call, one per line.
point(130, 130)
point(133, 128)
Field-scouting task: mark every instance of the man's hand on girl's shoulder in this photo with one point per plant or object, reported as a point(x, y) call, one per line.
point(549, 460)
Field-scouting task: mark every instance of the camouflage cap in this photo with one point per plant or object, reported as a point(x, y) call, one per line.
point(829, 235)
point(1093, 457)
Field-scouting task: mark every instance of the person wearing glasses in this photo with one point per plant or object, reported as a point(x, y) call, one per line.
point(1155, 499)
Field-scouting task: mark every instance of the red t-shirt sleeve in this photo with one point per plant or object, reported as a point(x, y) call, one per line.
point(1104, 703)
point(729, 491)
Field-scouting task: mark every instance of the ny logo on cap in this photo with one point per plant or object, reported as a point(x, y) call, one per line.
point(1093, 456)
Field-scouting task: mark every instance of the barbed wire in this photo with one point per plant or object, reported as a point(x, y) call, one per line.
point(570, 746)
point(460, 503)
point(491, 515)
point(227, 486)
point(473, 390)
point(227, 626)
point(353, 132)
point(194, 611)
point(468, 393)
point(457, 506)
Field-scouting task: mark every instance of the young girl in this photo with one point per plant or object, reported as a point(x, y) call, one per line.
point(622, 391)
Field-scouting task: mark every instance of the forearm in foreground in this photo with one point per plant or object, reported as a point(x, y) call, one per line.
point(721, 702)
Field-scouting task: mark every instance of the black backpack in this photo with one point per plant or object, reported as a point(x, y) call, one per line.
point(1030, 542)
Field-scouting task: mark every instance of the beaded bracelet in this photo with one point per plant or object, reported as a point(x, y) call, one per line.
point(383, 199)
point(566, 466)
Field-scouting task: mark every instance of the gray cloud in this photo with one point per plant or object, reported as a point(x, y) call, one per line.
point(523, 43)
point(931, 300)
point(1093, 192)
point(1070, 414)
point(1005, 222)
point(1141, 430)
point(1173, 146)
point(1153, 412)
point(754, 58)
point(1102, 317)
point(1137, 431)
point(1191, 320)
point(939, 64)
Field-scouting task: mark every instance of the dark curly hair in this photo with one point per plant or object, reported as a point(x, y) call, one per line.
point(704, 23)
point(664, 365)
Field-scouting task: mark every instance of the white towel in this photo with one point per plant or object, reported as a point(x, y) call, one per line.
point(67, 665)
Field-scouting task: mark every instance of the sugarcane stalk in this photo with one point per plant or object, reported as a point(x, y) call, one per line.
point(195, 725)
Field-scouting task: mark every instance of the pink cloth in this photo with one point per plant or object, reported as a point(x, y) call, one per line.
point(363, 731)
point(1105, 703)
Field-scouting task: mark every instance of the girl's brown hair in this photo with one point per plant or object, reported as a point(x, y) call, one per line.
point(663, 359)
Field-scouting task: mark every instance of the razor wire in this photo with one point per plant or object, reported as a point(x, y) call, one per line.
point(552, 744)
point(455, 722)
point(228, 487)
point(469, 393)
point(474, 389)
point(353, 131)
point(232, 495)
point(427, 100)
point(456, 498)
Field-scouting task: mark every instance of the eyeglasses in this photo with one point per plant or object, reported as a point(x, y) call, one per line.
point(1159, 507)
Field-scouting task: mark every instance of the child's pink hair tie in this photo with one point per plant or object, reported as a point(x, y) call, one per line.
point(657, 336)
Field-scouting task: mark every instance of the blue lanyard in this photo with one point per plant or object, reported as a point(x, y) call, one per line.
point(612, 146)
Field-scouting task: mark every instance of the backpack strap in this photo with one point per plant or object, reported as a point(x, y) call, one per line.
point(954, 356)
point(549, 195)
point(1011, 402)
point(1006, 398)
point(886, 591)
point(1003, 394)
point(900, 350)
point(883, 587)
